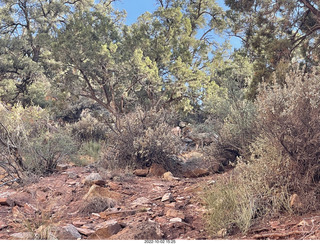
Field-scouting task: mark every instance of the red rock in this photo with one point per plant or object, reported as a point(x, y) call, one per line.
point(113, 186)
point(105, 230)
point(85, 231)
point(3, 225)
point(4, 202)
point(78, 223)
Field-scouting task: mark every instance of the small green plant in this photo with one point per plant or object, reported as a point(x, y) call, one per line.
point(257, 188)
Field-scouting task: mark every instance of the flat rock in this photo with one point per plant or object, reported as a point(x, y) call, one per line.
point(167, 197)
point(94, 178)
point(105, 230)
point(195, 173)
point(20, 198)
point(85, 231)
point(175, 220)
point(173, 213)
point(141, 201)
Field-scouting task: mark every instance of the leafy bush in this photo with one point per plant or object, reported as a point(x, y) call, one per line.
point(258, 187)
point(30, 142)
point(143, 138)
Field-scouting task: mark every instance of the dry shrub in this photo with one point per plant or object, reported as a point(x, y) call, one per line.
point(284, 159)
point(235, 135)
point(257, 188)
point(30, 142)
point(88, 128)
point(144, 138)
point(96, 205)
point(289, 116)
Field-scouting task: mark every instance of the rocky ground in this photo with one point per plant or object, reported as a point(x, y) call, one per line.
point(85, 203)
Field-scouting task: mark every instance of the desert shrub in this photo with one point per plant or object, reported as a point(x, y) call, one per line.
point(258, 187)
point(46, 150)
point(30, 142)
point(144, 137)
point(235, 134)
point(289, 116)
point(88, 128)
point(284, 159)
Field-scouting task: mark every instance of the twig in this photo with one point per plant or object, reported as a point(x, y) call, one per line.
point(10, 181)
point(279, 235)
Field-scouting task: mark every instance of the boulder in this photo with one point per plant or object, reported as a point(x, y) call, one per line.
point(156, 170)
point(105, 230)
point(68, 232)
point(94, 178)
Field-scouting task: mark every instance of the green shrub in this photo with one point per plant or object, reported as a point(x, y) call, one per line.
point(235, 135)
point(143, 138)
point(45, 151)
point(30, 142)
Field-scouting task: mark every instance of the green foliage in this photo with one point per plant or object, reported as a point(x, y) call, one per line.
point(235, 135)
point(88, 128)
point(30, 142)
point(145, 137)
point(26, 31)
point(276, 33)
point(177, 37)
point(232, 116)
